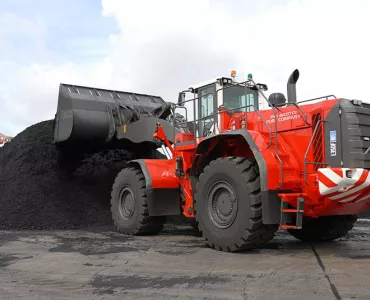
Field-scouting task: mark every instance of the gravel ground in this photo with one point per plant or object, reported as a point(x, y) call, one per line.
point(98, 263)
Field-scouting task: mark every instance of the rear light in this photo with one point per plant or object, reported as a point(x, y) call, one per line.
point(349, 173)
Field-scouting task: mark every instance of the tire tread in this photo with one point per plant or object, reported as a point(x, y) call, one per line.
point(255, 233)
point(144, 224)
point(325, 229)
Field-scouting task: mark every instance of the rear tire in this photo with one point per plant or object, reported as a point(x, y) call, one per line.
point(193, 223)
point(129, 204)
point(228, 205)
point(324, 229)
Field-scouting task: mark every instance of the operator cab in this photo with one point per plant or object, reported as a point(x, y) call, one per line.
point(221, 92)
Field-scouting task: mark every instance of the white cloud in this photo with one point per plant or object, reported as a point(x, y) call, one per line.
point(174, 44)
point(165, 46)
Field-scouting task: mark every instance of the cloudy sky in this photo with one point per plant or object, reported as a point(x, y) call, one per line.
point(163, 46)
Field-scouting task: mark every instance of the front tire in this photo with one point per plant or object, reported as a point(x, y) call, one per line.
point(129, 204)
point(228, 205)
point(324, 229)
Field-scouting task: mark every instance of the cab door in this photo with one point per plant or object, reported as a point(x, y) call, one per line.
point(207, 115)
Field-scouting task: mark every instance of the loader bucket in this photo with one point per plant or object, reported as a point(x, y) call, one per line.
point(92, 114)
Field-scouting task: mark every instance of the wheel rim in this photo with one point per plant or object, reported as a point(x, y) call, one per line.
point(222, 204)
point(126, 203)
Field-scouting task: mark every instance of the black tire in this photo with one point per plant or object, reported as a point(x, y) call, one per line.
point(233, 223)
point(324, 229)
point(193, 223)
point(129, 204)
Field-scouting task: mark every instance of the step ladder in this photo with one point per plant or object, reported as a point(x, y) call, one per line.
point(286, 211)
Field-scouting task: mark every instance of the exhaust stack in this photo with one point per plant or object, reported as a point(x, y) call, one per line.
point(291, 86)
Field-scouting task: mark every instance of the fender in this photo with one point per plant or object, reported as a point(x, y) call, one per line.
point(257, 144)
point(203, 147)
point(161, 184)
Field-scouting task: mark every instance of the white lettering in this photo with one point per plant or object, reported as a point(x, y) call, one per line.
point(290, 115)
point(333, 149)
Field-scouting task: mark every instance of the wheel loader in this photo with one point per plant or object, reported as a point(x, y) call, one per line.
point(244, 166)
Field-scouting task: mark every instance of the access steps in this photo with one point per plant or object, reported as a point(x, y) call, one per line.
point(287, 220)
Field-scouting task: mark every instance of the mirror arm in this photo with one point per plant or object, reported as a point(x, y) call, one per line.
point(181, 98)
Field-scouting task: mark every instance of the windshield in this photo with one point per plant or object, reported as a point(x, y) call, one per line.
point(239, 96)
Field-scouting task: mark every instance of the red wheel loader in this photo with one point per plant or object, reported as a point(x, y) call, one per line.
point(245, 166)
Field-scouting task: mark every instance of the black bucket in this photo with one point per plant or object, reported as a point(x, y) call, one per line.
point(93, 114)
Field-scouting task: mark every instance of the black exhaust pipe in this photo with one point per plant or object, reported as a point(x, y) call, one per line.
point(292, 94)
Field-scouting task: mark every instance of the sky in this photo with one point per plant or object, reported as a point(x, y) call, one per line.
point(164, 46)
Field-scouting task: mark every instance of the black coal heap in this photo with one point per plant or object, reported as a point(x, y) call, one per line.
point(36, 192)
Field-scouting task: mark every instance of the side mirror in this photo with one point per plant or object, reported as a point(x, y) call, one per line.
point(181, 99)
point(262, 86)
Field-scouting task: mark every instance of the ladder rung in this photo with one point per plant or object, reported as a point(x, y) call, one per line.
point(289, 227)
point(292, 210)
point(292, 195)
point(289, 210)
point(298, 210)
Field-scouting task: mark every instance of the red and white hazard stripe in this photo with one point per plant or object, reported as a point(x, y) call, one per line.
point(335, 185)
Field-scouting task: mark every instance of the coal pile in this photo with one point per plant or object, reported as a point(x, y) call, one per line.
point(37, 192)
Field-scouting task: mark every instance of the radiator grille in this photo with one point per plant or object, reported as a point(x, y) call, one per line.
point(357, 136)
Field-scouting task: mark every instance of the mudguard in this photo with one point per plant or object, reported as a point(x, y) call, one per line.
point(263, 156)
point(162, 186)
point(250, 138)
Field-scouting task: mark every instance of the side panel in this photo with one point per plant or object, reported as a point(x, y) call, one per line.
point(162, 186)
point(295, 133)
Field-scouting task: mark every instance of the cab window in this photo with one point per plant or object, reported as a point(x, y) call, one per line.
point(240, 99)
point(206, 99)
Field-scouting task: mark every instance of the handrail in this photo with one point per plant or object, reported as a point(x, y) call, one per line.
point(256, 110)
point(276, 137)
point(301, 110)
point(237, 108)
point(318, 98)
point(308, 149)
point(194, 110)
